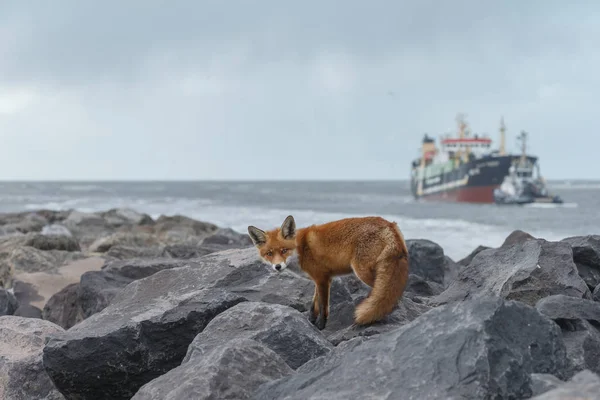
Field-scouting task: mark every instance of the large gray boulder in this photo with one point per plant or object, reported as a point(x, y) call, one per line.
point(147, 327)
point(527, 271)
point(233, 370)
point(22, 375)
point(485, 348)
point(583, 386)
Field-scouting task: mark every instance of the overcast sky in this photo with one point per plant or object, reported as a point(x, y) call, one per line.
point(289, 90)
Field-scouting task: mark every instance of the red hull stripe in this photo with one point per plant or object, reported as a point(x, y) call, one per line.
point(475, 194)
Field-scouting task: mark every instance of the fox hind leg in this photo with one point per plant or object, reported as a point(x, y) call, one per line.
point(323, 302)
point(313, 311)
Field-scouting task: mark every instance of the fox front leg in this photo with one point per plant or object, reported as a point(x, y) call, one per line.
point(314, 307)
point(323, 301)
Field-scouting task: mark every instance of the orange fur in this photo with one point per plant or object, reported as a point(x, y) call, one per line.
point(371, 247)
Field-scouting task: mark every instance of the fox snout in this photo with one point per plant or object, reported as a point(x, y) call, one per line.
point(279, 267)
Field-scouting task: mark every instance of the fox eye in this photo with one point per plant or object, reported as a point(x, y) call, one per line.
point(269, 253)
point(283, 251)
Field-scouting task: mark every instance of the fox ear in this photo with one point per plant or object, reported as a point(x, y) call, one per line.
point(288, 228)
point(258, 237)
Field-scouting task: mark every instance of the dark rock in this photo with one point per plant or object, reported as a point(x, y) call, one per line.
point(584, 385)
point(8, 302)
point(120, 252)
point(586, 254)
point(234, 370)
point(143, 334)
point(406, 312)
point(516, 237)
point(282, 329)
point(541, 383)
point(567, 307)
point(486, 348)
point(96, 289)
point(596, 294)
point(427, 260)
point(28, 311)
point(146, 329)
point(420, 287)
point(226, 238)
point(53, 242)
point(22, 374)
point(526, 271)
point(63, 307)
point(185, 251)
point(467, 260)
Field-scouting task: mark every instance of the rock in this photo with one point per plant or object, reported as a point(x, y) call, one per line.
point(182, 229)
point(560, 307)
point(516, 237)
point(577, 318)
point(63, 307)
point(406, 312)
point(56, 229)
point(31, 259)
point(21, 369)
point(485, 348)
point(141, 335)
point(467, 260)
point(95, 291)
point(8, 302)
point(596, 294)
point(541, 383)
point(273, 325)
point(233, 370)
point(584, 385)
point(427, 260)
point(420, 287)
point(31, 222)
point(53, 242)
point(120, 252)
point(87, 227)
point(118, 217)
point(130, 239)
point(148, 326)
point(227, 238)
point(586, 254)
point(28, 311)
point(7, 272)
point(526, 271)
point(185, 251)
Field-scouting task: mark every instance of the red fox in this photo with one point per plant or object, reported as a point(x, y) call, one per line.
point(371, 247)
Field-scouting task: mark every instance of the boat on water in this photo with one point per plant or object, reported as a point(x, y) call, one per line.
point(465, 168)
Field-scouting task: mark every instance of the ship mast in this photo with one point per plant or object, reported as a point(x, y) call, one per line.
point(523, 139)
point(502, 137)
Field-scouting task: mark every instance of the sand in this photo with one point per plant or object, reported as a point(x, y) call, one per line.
point(36, 288)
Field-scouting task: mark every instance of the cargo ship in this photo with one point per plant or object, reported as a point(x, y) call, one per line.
point(466, 168)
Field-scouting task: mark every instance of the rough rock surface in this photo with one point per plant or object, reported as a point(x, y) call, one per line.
point(282, 329)
point(586, 254)
point(526, 271)
point(22, 375)
point(486, 348)
point(63, 307)
point(583, 386)
point(427, 260)
point(467, 260)
point(233, 370)
point(53, 242)
point(28, 311)
point(596, 294)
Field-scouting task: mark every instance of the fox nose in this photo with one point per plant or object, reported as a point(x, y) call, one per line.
point(278, 267)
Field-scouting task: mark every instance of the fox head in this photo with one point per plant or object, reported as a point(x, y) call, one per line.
point(277, 245)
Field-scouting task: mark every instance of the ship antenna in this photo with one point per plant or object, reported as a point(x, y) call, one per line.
point(502, 137)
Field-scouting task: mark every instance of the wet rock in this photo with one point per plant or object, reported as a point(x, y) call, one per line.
point(486, 348)
point(526, 271)
point(21, 369)
point(233, 370)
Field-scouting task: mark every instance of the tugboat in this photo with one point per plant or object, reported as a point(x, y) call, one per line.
point(466, 169)
point(520, 186)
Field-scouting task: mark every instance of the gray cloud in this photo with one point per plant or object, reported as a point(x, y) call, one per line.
point(271, 89)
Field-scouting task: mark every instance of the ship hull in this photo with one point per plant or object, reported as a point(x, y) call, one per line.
point(471, 182)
